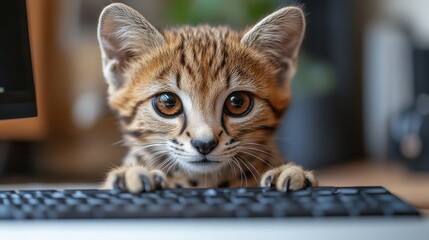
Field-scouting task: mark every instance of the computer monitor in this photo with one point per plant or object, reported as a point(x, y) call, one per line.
point(17, 94)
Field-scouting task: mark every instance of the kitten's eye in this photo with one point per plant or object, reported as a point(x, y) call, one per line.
point(167, 104)
point(238, 104)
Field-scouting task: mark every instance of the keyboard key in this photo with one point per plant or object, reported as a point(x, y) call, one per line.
point(302, 193)
point(325, 191)
point(205, 211)
point(216, 200)
point(347, 191)
point(127, 196)
point(96, 201)
point(58, 195)
point(271, 194)
point(79, 194)
point(243, 193)
point(191, 200)
point(377, 190)
point(386, 198)
point(73, 201)
point(290, 211)
point(5, 212)
point(143, 201)
point(324, 199)
point(350, 198)
point(210, 192)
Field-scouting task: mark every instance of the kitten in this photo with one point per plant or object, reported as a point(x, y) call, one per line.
point(198, 106)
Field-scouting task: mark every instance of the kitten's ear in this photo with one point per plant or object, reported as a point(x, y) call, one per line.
point(279, 37)
point(123, 34)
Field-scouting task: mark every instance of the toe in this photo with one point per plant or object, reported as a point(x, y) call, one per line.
point(119, 182)
point(145, 183)
point(138, 179)
point(268, 178)
point(159, 179)
point(285, 185)
point(291, 178)
point(311, 179)
point(114, 180)
point(268, 182)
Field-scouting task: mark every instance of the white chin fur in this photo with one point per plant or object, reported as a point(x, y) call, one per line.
point(198, 169)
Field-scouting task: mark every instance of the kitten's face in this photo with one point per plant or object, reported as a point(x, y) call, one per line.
point(200, 98)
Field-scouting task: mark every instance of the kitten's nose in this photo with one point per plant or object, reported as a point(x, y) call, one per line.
point(204, 146)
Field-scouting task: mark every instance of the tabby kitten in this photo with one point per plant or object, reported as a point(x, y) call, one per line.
point(198, 106)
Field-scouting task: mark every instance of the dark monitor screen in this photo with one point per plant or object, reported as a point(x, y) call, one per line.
point(17, 95)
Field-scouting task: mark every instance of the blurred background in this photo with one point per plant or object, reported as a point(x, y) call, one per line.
point(360, 107)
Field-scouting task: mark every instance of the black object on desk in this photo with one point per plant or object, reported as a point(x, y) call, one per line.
point(17, 95)
point(203, 203)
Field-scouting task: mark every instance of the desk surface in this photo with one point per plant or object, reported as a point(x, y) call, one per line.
point(214, 229)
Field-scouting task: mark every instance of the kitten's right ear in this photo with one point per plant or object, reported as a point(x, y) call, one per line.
point(279, 37)
point(123, 34)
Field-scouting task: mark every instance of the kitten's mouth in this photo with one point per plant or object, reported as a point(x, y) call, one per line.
point(203, 165)
point(205, 161)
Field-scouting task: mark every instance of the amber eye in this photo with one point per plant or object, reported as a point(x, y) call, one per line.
point(238, 104)
point(167, 104)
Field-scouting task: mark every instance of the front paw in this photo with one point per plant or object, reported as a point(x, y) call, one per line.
point(288, 177)
point(135, 179)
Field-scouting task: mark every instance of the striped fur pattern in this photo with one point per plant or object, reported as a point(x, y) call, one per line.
point(203, 67)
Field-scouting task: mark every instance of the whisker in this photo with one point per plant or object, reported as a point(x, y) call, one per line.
point(249, 136)
point(248, 168)
point(142, 147)
point(119, 142)
point(168, 166)
point(157, 155)
point(248, 162)
point(257, 157)
point(164, 164)
point(241, 171)
point(232, 169)
point(233, 164)
point(173, 166)
point(133, 153)
point(261, 149)
point(149, 144)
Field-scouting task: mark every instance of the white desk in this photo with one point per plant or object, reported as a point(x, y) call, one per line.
point(300, 229)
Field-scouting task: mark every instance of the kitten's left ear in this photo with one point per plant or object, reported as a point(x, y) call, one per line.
point(279, 37)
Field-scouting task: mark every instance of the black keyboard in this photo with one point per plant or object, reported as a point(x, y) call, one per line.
point(202, 203)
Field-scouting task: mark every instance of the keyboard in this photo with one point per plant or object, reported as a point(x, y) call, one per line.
point(203, 203)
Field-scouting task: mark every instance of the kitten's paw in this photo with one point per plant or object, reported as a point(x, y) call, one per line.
point(288, 177)
point(135, 179)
